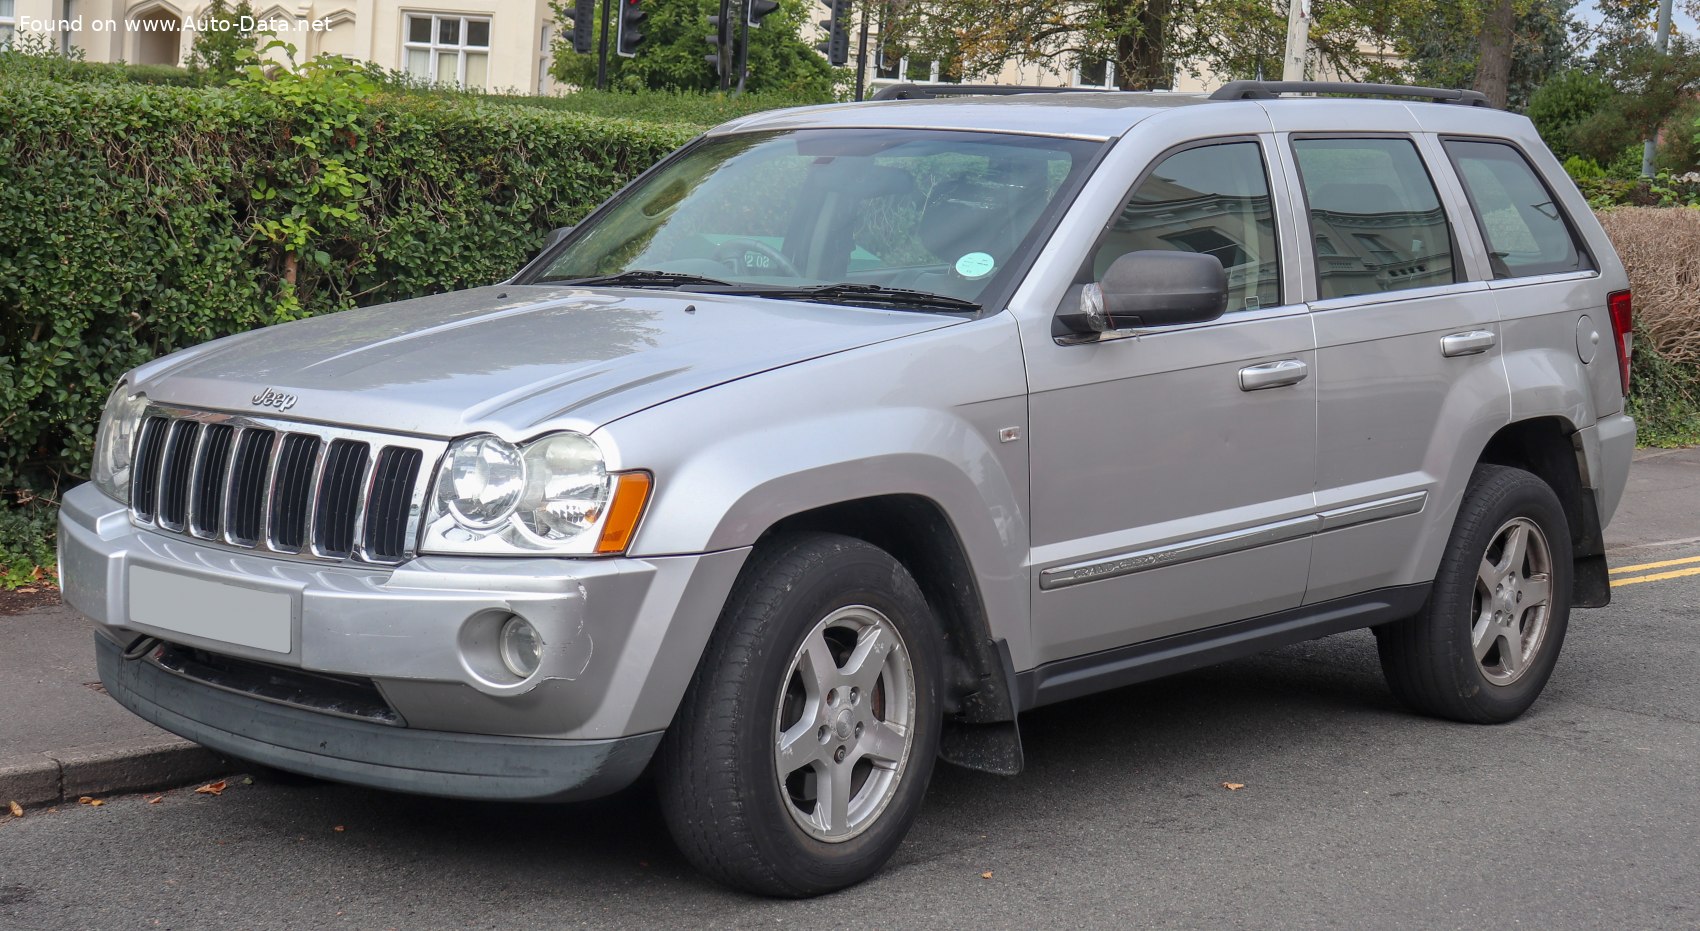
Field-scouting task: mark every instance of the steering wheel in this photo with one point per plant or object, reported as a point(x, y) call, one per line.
point(732, 252)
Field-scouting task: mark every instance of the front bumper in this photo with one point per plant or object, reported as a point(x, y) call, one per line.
point(403, 759)
point(622, 639)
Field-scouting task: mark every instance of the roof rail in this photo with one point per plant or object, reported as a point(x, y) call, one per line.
point(1268, 90)
point(935, 91)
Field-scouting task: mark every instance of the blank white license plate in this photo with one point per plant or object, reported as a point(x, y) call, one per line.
point(213, 610)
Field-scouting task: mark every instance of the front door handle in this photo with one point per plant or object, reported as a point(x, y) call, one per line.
point(1466, 344)
point(1273, 374)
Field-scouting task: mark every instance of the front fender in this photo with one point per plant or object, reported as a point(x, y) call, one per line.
point(918, 416)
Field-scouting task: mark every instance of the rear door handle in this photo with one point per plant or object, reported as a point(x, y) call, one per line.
point(1466, 344)
point(1273, 374)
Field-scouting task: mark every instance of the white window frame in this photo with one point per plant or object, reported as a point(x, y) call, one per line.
point(435, 47)
point(9, 25)
point(903, 72)
point(1074, 79)
point(545, 58)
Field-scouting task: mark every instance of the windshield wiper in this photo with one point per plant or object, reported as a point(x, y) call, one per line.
point(639, 278)
point(871, 295)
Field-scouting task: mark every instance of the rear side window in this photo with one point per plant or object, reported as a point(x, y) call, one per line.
point(1526, 232)
point(1376, 221)
point(1212, 199)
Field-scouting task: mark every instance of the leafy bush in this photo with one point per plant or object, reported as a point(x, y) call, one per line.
point(26, 545)
point(1564, 103)
point(141, 219)
point(34, 55)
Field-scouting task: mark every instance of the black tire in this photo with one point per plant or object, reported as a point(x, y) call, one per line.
point(717, 775)
point(1430, 660)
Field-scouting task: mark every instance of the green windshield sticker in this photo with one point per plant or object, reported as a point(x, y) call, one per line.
point(975, 265)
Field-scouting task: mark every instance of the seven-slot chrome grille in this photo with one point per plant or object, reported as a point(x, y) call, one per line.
point(279, 486)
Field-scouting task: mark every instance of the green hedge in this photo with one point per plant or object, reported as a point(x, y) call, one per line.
point(136, 220)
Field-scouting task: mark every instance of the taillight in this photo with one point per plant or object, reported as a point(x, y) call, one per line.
point(1623, 329)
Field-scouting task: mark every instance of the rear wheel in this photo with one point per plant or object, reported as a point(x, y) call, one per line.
point(802, 749)
point(1484, 645)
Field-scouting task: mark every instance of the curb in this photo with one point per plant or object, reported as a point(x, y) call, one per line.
point(105, 769)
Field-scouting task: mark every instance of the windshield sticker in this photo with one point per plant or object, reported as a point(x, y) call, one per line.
point(975, 265)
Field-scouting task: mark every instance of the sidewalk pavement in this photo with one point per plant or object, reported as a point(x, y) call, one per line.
point(62, 737)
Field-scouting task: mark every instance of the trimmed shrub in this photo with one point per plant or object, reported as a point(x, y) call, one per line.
point(1660, 248)
point(1564, 103)
point(137, 220)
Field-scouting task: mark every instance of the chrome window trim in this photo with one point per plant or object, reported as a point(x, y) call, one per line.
point(1233, 541)
point(431, 451)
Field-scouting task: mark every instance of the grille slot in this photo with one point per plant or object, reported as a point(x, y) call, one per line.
point(338, 505)
point(175, 470)
point(248, 471)
point(211, 469)
point(281, 486)
point(389, 506)
point(291, 487)
point(144, 481)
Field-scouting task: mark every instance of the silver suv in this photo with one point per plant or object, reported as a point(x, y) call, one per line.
point(847, 434)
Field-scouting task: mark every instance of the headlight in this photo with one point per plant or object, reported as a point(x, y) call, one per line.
point(554, 494)
point(481, 481)
point(115, 443)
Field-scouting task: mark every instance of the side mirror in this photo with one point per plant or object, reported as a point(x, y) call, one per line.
point(1152, 288)
point(555, 236)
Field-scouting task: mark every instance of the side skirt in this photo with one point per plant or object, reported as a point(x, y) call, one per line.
point(1140, 662)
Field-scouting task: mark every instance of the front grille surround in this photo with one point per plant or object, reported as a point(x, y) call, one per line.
point(282, 487)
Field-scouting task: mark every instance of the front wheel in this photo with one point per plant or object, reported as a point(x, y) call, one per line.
point(1484, 645)
point(804, 744)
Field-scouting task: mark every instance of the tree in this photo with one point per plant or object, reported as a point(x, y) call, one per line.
point(671, 56)
point(1441, 46)
point(1650, 88)
point(1149, 41)
point(222, 44)
point(1567, 101)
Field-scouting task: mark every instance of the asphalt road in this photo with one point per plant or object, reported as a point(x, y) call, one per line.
point(1354, 814)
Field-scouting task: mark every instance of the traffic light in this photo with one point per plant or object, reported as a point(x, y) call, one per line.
point(756, 10)
point(629, 38)
point(836, 46)
point(721, 38)
point(583, 16)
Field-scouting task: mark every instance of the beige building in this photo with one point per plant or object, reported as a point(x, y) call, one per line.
point(498, 45)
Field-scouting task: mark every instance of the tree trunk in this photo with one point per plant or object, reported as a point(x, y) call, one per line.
point(1493, 65)
point(1142, 48)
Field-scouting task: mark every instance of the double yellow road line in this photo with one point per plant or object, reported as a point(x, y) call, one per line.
point(1633, 579)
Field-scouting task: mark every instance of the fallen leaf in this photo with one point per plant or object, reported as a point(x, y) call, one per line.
point(16, 809)
point(986, 875)
point(339, 829)
point(91, 802)
point(1233, 786)
point(247, 780)
point(212, 788)
point(156, 800)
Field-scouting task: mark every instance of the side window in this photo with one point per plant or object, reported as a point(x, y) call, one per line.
point(1376, 222)
point(1526, 232)
point(1212, 199)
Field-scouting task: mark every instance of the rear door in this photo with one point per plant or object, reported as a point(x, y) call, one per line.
point(1409, 369)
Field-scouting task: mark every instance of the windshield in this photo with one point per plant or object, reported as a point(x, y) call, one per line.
point(884, 210)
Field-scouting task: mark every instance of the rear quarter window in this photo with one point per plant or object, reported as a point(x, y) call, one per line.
point(1526, 231)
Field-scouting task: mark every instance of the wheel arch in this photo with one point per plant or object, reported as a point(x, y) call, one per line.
point(1551, 448)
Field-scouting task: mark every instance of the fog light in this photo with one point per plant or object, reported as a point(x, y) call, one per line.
point(522, 649)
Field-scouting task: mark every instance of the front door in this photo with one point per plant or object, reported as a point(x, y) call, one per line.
point(1172, 470)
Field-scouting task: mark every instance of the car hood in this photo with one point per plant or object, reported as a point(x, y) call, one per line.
point(511, 360)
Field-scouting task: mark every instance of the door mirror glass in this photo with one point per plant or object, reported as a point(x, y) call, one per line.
point(1150, 289)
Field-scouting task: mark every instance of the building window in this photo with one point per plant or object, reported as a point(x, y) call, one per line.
point(545, 58)
point(1094, 72)
point(891, 66)
point(8, 23)
point(448, 49)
